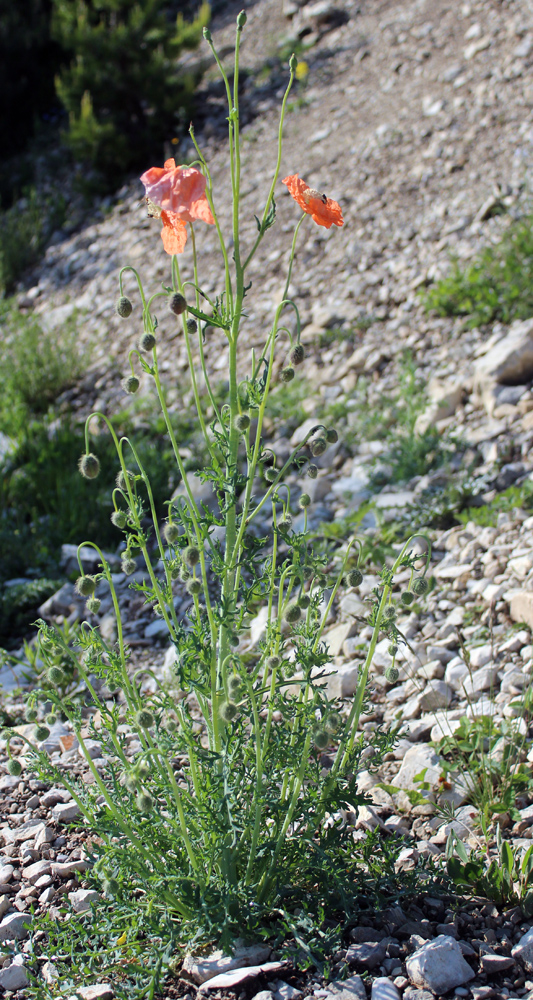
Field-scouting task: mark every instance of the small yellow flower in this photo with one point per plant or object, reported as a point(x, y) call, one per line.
point(302, 70)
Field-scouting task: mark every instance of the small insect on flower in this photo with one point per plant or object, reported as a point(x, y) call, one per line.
point(89, 466)
point(323, 210)
point(124, 307)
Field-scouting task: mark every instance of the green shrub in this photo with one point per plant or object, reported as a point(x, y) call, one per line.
point(124, 91)
point(25, 229)
point(497, 285)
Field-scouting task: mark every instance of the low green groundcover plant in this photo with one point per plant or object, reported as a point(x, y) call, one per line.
point(229, 819)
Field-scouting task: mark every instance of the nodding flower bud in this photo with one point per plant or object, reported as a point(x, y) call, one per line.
point(228, 711)
point(241, 423)
point(177, 303)
point(192, 325)
point(293, 62)
point(124, 307)
point(118, 518)
point(128, 565)
point(293, 613)
point(389, 614)
point(286, 374)
point(51, 719)
point(304, 601)
point(318, 446)
point(130, 384)
point(132, 781)
point(144, 802)
point(234, 684)
point(191, 555)
point(304, 501)
point(331, 436)
point(175, 572)
point(85, 585)
point(110, 886)
point(185, 574)
point(392, 649)
point(120, 479)
point(30, 713)
point(144, 719)
point(307, 572)
point(147, 342)
point(14, 767)
point(320, 739)
point(420, 586)
point(171, 533)
point(55, 676)
point(392, 674)
point(297, 354)
point(407, 597)
point(233, 639)
point(93, 605)
point(285, 523)
point(333, 722)
point(241, 19)
point(41, 733)
point(171, 726)
point(354, 578)
point(207, 35)
point(271, 474)
point(89, 466)
point(193, 587)
point(273, 662)
point(312, 471)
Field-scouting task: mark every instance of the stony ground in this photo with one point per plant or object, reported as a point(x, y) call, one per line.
point(416, 116)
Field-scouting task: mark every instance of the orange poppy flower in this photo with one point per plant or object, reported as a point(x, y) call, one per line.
point(180, 194)
point(323, 210)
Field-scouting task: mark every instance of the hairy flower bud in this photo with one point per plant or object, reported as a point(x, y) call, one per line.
point(320, 739)
point(304, 501)
point(144, 718)
point(191, 555)
point(128, 565)
point(234, 685)
point(233, 639)
point(184, 574)
point(118, 518)
point(318, 446)
point(293, 613)
point(273, 662)
point(147, 342)
point(55, 676)
point(14, 767)
point(177, 303)
point(110, 886)
point(392, 649)
point(228, 711)
point(354, 578)
point(293, 62)
point(30, 713)
point(241, 423)
point(285, 523)
point(392, 674)
point(193, 587)
point(312, 471)
point(130, 384)
point(297, 355)
point(120, 479)
point(331, 436)
point(407, 597)
point(93, 605)
point(85, 585)
point(124, 307)
point(171, 725)
point(307, 572)
point(171, 532)
point(333, 722)
point(41, 733)
point(286, 374)
point(89, 466)
point(132, 782)
point(175, 572)
point(144, 802)
point(420, 586)
point(271, 474)
point(51, 719)
point(389, 614)
point(304, 601)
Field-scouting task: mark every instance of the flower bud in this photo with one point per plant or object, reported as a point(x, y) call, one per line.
point(297, 355)
point(304, 601)
point(147, 342)
point(389, 614)
point(128, 565)
point(14, 767)
point(392, 674)
point(228, 711)
point(41, 733)
point(271, 474)
point(354, 578)
point(241, 20)
point(85, 585)
point(110, 886)
point(144, 719)
point(177, 303)
point(207, 35)
point(193, 587)
point(93, 605)
point(307, 572)
point(293, 613)
point(123, 307)
point(118, 518)
point(312, 471)
point(121, 480)
point(318, 446)
point(191, 555)
point(392, 649)
point(234, 684)
point(285, 523)
point(171, 725)
point(293, 62)
point(55, 676)
point(233, 639)
point(30, 714)
point(304, 501)
point(184, 574)
point(175, 572)
point(273, 662)
point(132, 782)
point(241, 423)
point(333, 722)
point(407, 597)
point(192, 325)
point(51, 719)
point(130, 384)
point(171, 532)
point(89, 466)
point(331, 436)
point(320, 739)
point(286, 374)
point(420, 586)
point(144, 802)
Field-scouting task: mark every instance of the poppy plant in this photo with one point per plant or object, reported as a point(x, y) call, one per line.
point(180, 194)
point(323, 210)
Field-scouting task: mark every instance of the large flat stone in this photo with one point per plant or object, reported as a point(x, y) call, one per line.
point(439, 966)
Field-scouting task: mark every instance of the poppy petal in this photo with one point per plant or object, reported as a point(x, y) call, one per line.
point(173, 233)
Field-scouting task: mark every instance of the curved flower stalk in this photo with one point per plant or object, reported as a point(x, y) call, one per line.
point(224, 809)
